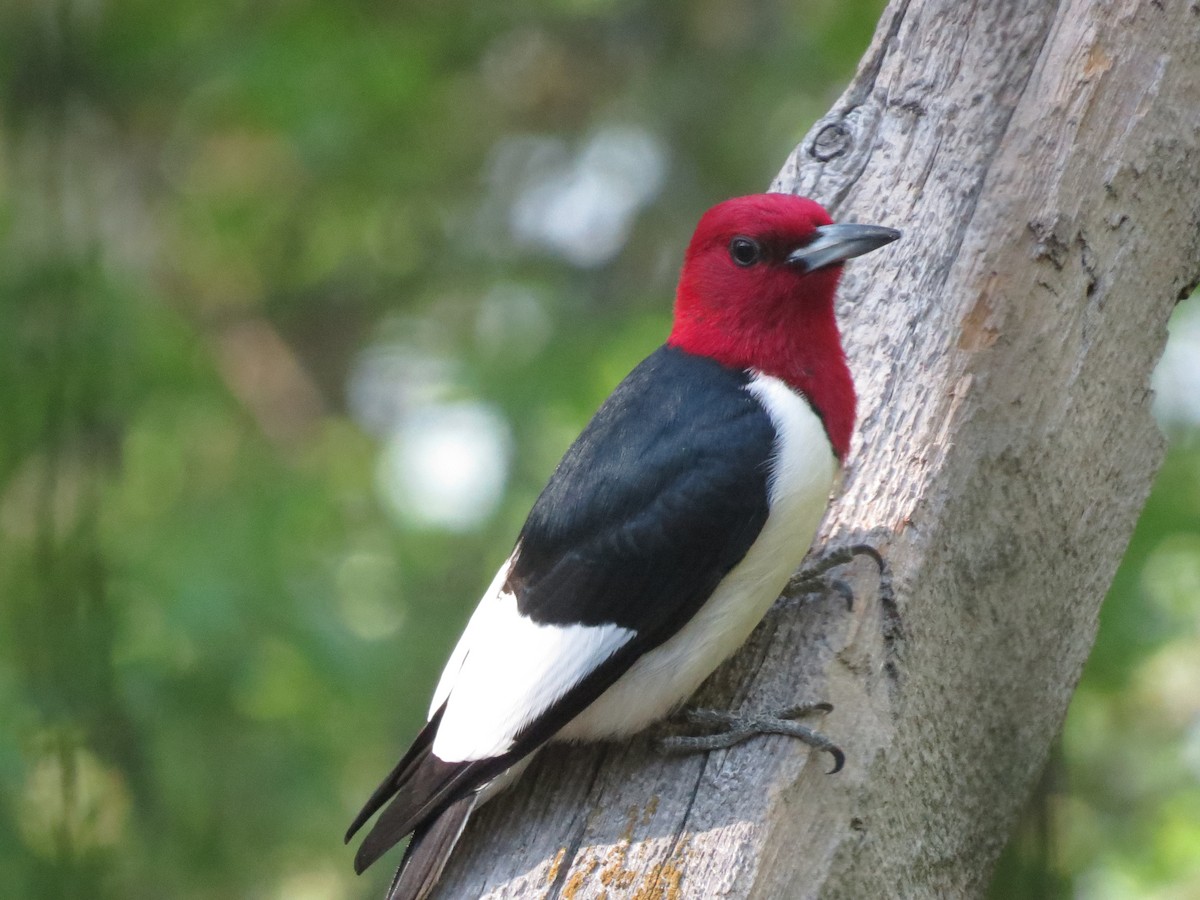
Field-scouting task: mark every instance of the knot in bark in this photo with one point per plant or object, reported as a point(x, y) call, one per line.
point(831, 142)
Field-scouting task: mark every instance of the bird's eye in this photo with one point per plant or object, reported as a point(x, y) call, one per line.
point(745, 251)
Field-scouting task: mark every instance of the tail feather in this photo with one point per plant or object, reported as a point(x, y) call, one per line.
point(402, 773)
point(428, 788)
point(429, 850)
point(426, 795)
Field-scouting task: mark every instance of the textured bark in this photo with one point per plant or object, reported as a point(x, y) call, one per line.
point(1043, 160)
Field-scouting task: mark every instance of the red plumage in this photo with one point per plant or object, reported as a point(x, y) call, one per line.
point(772, 317)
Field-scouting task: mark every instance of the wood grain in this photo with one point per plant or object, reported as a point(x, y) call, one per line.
point(1043, 161)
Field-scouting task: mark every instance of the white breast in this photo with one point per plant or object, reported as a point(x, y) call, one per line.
point(803, 472)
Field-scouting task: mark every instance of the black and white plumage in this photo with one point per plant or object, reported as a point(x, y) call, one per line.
point(668, 528)
point(666, 531)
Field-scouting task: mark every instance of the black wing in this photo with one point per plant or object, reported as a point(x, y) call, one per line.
point(659, 497)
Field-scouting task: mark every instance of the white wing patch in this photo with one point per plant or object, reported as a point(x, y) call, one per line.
point(507, 670)
point(470, 633)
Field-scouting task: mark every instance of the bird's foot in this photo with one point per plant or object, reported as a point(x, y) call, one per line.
point(733, 728)
point(814, 579)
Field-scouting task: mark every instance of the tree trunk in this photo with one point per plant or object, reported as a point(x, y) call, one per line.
point(1043, 161)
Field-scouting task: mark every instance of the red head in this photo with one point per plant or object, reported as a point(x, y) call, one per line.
point(757, 291)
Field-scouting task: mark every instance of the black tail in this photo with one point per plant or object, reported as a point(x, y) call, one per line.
point(402, 773)
point(428, 790)
point(425, 793)
point(429, 849)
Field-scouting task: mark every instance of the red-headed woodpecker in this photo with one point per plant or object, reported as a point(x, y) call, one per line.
point(663, 536)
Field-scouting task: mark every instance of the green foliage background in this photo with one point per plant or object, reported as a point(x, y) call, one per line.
point(215, 634)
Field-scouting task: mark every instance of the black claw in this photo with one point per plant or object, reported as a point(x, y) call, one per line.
point(839, 760)
point(812, 580)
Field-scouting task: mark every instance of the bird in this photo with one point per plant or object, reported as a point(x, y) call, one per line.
point(662, 537)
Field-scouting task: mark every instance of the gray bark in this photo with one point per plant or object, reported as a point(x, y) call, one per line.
point(1043, 160)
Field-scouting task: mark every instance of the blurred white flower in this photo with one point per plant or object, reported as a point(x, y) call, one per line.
point(446, 464)
point(579, 206)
